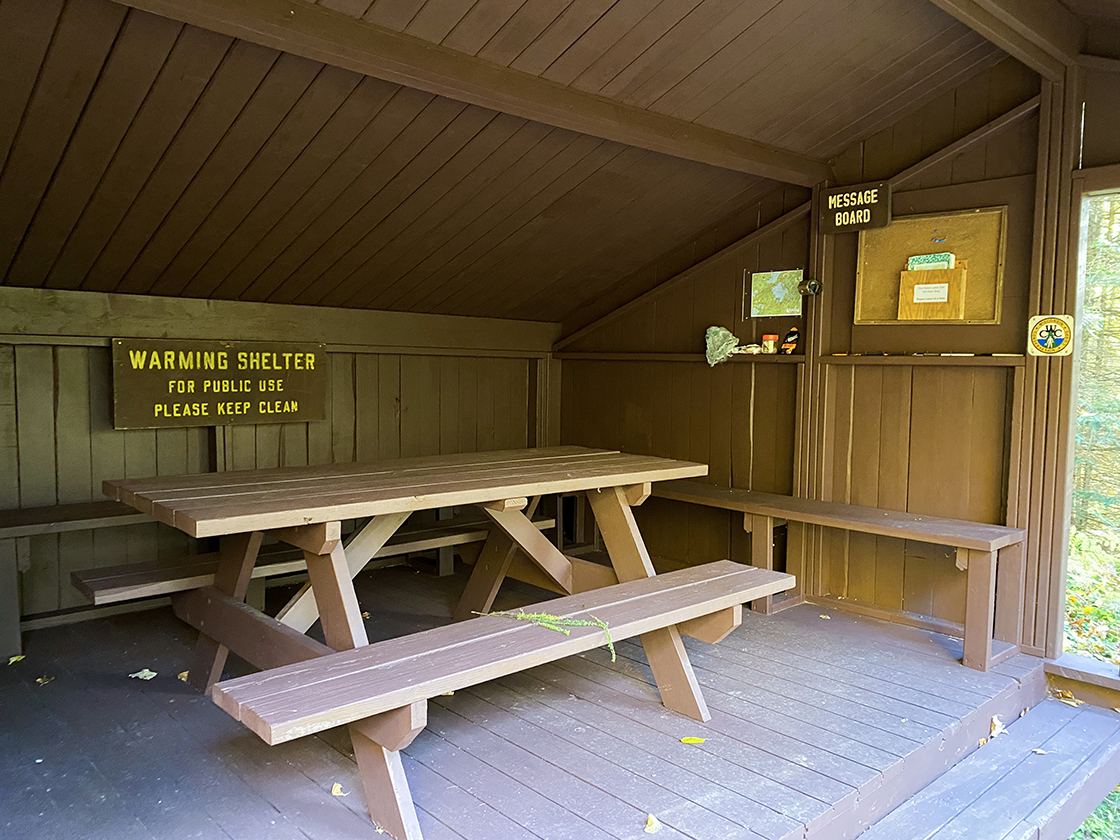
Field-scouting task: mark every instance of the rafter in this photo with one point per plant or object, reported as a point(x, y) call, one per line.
point(1043, 34)
point(320, 34)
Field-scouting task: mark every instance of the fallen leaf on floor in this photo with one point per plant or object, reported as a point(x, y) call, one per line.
point(15, 659)
point(336, 790)
point(365, 614)
point(691, 739)
point(183, 675)
point(1063, 695)
point(1024, 711)
point(983, 741)
point(44, 680)
point(447, 694)
point(997, 727)
point(143, 674)
point(653, 825)
point(825, 616)
point(904, 720)
point(1040, 751)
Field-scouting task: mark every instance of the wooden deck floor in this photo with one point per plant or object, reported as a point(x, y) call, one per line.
point(819, 726)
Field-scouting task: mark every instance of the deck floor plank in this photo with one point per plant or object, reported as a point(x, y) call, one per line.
point(606, 763)
point(806, 729)
point(764, 805)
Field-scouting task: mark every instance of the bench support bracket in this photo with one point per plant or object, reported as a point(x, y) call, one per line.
point(714, 627)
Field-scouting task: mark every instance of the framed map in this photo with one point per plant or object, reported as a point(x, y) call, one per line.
point(773, 294)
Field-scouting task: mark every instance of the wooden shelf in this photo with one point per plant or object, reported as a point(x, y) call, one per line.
point(936, 361)
point(672, 357)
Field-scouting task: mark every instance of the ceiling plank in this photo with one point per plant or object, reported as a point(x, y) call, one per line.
point(1043, 34)
point(323, 35)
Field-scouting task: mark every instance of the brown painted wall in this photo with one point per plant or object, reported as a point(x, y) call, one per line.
point(57, 443)
point(919, 437)
point(1102, 117)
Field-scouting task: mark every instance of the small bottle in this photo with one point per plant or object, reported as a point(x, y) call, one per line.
point(770, 344)
point(789, 346)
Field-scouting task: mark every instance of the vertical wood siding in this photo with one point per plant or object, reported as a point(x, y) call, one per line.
point(737, 418)
point(57, 442)
point(928, 440)
point(920, 438)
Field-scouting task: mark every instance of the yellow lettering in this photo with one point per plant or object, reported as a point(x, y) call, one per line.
point(137, 358)
point(242, 360)
point(223, 360)
point(154, 363)
point(287, 361)
point(169, 359)
point(186, 360)
point(310, 361)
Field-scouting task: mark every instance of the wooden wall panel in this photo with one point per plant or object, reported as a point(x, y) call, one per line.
point(56, 433)
point(737, 418)
point(930, 440)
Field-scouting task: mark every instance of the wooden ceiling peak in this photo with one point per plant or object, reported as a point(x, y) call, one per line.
point(322, 34)
point(1043, 34)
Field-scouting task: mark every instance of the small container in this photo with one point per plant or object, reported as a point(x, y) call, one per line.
point(770, 344)
point(752, 349)
point(789, 346)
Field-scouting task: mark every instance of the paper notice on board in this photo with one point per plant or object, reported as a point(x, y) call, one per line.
point(931, 293)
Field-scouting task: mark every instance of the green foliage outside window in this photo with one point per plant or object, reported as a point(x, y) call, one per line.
point(1093, 581)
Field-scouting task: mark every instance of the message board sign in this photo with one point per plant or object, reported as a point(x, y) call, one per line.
point(159, 383)
point(858, 207)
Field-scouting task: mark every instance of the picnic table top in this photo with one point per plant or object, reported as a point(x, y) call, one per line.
point(212, 504)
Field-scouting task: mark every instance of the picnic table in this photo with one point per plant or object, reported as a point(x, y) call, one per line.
point(305, 507)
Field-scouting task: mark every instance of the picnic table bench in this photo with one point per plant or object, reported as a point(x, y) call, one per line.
point(981, 550)
point(304, 507)
point(381, 690)
point(113, 584)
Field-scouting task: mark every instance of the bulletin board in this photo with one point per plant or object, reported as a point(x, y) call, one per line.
point(976, 236)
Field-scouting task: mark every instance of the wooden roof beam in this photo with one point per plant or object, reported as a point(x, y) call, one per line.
point(320, 34)
point(1043, 34)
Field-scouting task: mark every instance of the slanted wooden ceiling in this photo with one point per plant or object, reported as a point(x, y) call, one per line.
point(142, 155)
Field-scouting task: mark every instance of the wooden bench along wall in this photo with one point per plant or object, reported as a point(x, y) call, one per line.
point(979, 546)
point(381, 690)
point(16, 529)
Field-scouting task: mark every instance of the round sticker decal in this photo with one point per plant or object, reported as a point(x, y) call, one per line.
point(1051, 335)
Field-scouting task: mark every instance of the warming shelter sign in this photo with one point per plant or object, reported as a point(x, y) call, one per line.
point(165, 383)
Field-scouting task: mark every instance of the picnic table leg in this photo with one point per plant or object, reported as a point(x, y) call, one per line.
point(238, 554)
point(302, 610)
point(336, 600)
point(665, 652)
point(490, 570)
point(377, 744)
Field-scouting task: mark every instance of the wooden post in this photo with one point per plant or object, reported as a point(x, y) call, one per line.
point(235, 569)
point(1010, 573)
point(10, 644)
point(979, 611)
point(762, 553)
point(664, 649)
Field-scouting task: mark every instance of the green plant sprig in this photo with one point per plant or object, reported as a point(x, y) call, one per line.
point(559, 623)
